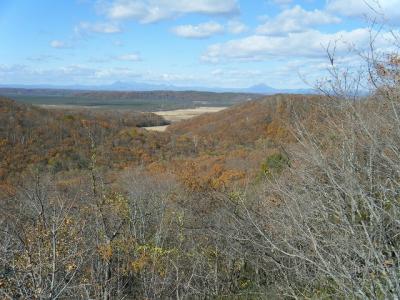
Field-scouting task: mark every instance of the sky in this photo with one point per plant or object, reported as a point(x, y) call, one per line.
point(208, 43)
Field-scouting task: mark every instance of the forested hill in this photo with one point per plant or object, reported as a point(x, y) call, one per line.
point(172, 95)
point(60, 140)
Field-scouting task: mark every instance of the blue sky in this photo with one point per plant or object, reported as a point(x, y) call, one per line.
point(212, 43)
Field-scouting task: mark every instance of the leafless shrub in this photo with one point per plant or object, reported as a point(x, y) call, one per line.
point(329, 225)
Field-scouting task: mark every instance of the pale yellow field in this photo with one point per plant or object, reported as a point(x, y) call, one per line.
point(157, 128)
point(182, 114)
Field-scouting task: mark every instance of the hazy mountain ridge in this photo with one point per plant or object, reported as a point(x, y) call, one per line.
point(139, 86)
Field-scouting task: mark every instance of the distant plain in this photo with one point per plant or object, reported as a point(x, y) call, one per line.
point(139, 101)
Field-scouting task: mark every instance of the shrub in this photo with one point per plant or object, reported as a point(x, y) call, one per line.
point(274, 164)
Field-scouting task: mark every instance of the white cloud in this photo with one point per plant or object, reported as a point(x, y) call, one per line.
point(129, 57)
point(235, 73)
point(295, 19)
point(73, 74)
point(116, 74)
point(236, 27)
point(108, 28)
point(42, 58)
point(6, 70)
point(59, 44)
point(149, 11)
point(304, 44)
point(208, 29)
point(282, 2)
point(200, 31)
point(389, 9)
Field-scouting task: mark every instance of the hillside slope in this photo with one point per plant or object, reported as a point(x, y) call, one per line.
point(270, 117)
point(61, 140)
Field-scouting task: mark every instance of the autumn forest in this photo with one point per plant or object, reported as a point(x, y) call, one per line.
point(106, 194)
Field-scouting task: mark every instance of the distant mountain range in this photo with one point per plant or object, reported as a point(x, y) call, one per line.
point(139, 86)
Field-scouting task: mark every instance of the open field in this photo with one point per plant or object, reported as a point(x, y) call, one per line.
point(157, 128)
point(177, 115)
point(184, 114)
